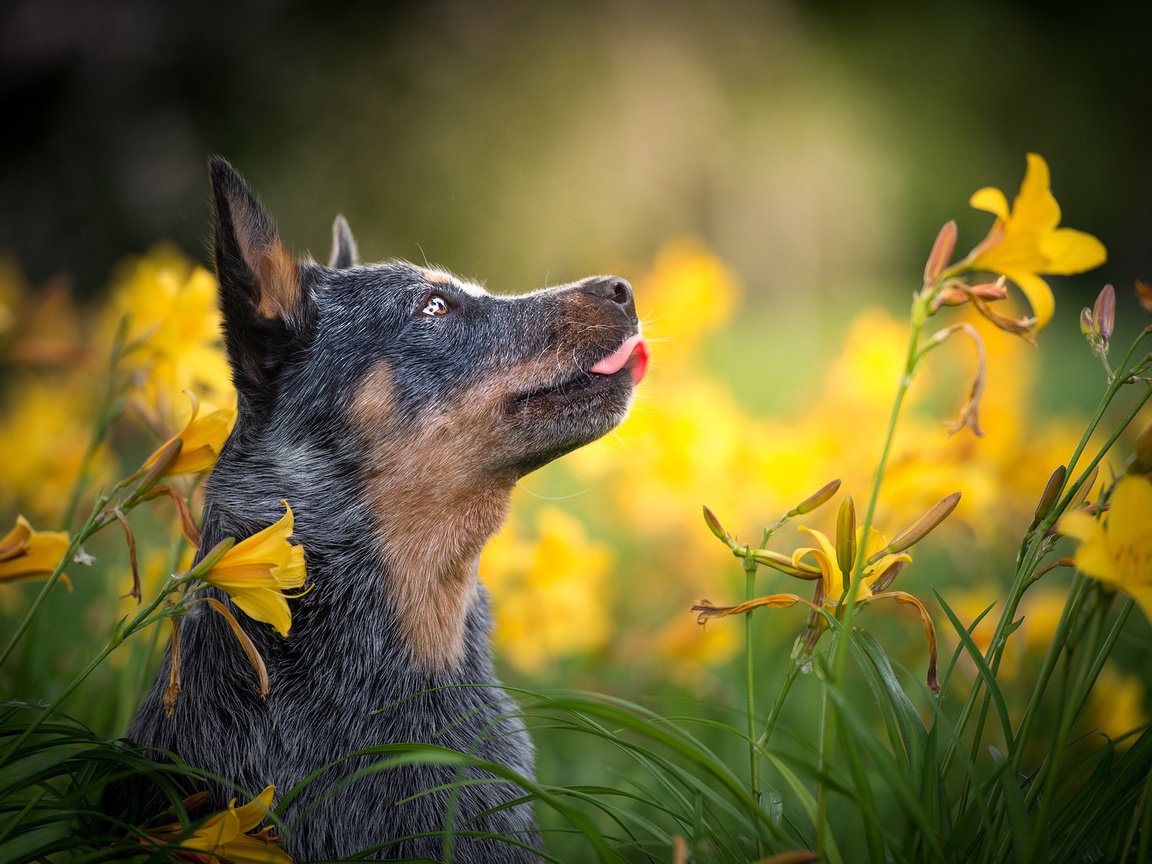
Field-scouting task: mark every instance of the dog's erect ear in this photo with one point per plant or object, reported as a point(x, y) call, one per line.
point(264, 304)
point(343, 245)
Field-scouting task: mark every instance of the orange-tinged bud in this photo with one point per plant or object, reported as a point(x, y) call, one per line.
point(1104, 313)
point(922, 527)
point(716, 528)
point(816, 499)
point(941, 253)
point(784, 564)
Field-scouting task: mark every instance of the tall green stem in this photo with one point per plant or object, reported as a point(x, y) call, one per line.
point(848, 600)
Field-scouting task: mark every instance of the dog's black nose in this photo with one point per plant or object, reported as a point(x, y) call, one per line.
point(611, 288)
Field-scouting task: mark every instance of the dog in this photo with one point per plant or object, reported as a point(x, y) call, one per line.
point(394, 407)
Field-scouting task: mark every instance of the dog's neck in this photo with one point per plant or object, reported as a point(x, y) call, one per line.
point(412, 533)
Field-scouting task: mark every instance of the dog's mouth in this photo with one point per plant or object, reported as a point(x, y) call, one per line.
point(629, 360)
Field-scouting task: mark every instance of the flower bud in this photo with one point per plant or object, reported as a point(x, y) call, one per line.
point(846, 536)
point(212, 558)
point(715, 527)
point(941, 253)
point(1104, 313)
point(1051, 493)
point(922, 527)
point(816, 499)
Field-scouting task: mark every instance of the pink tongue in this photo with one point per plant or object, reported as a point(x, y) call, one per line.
point(634, 346)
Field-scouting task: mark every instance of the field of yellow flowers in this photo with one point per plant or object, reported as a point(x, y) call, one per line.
point(608, 579)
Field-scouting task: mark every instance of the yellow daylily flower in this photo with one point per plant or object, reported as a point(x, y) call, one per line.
point(224, 839)
point(1118, 552)
point(201, 440)
point(1024, 241)
point(26, 553)
point(256, 571)
point(824, 556)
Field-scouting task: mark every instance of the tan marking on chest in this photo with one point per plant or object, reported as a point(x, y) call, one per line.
point(434, 512)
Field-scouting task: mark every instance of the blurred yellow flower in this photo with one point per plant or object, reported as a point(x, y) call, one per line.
point(29, 554)
point(1118, 551)
point(689, 292)
point(174, 333)
point(201, 441)
point(1116, 704)
point(256, 571)
point(223, 838)
point(46, 420)
point(550, 593)
point(1024, 241)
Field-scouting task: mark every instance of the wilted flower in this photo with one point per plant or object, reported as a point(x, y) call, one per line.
point(256, 571)
point(1025, 243)
point(29, 554)
point(224, 837)
point(1118, 551)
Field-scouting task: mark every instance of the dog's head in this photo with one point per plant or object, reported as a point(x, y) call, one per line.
point(439, 394)
point(486, 384)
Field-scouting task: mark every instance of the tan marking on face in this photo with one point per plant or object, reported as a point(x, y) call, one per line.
point(440, 277)
point(440, 484)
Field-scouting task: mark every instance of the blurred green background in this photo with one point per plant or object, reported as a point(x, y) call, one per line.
point(815, 146)
point(764, 172)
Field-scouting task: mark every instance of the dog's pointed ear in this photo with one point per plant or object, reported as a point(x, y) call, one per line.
point(343, 246)
point(265, 307)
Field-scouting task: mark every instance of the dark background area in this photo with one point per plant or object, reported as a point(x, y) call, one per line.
point(812, 145)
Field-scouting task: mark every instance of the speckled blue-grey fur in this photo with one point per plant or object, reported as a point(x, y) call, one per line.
point(297, 375)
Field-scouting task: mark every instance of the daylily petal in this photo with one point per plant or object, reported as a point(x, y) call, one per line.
point(26, 553)
point(253, 850)
point(267, 605)
point(1080, 526)
point(1130, 510)
point(1038, 293)
point(1070, 251)
point(1035, 207)
point(991, 200)
point(256, 810)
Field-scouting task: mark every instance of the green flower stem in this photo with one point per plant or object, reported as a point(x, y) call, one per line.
point(920, 312)
point(1030, 551)
point(777, 707)
point(749, 687)
point(1055, 649)
point(140, 621)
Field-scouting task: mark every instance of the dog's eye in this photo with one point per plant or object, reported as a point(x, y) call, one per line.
point(436, 305)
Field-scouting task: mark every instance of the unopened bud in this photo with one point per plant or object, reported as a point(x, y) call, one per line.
point(922, 527)
point(816, 499)
point(1051, 493)
point(885, 579)
point(160, 463)
point(941, 253)
point(1104, 313)
point(846, 536)
point(715, 527)
point(1087, 325)
point(212, 558)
